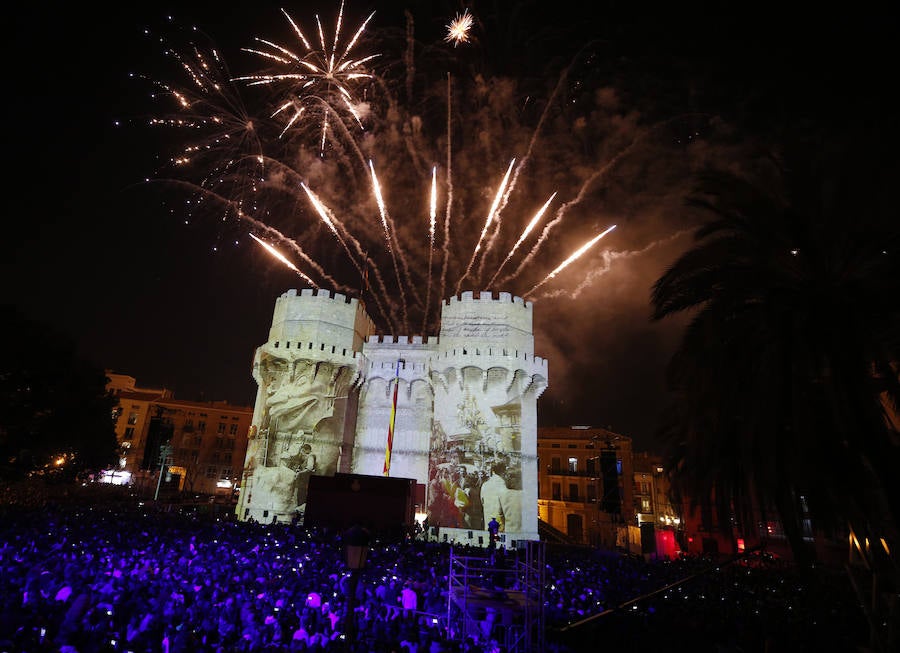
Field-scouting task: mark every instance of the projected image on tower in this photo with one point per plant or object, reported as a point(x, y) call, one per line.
point(475, 468)
point(297, 435)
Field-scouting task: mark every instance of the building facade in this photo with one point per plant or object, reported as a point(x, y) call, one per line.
point(586, 489)
point(203, 444)
point(457, 412)
point(660, 524)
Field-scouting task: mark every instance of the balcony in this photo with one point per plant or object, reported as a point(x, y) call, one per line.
point(570, 498)
point(566, 472)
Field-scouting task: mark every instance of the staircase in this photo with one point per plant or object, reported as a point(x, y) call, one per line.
point(550, 534)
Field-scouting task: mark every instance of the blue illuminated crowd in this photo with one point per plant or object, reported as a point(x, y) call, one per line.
point(79, 578)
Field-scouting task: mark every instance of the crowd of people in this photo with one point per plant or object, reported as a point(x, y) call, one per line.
point(82, 577)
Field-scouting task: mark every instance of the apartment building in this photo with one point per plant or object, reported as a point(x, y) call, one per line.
point(585, 485)
point(203, 444)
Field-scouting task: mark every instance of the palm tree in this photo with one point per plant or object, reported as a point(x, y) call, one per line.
point(784, 374)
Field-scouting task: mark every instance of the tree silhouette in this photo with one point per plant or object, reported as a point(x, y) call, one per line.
point(55, 413)
point(783, 377)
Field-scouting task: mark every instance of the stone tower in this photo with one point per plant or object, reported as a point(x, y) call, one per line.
point(465, 425)
point(305, 413)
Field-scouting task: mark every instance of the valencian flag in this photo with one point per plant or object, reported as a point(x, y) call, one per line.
point(390, 439)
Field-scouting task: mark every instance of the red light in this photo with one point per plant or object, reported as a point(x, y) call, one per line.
point(690, 540)
point(740, 544)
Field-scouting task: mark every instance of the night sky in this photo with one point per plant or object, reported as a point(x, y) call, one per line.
point(179, 296)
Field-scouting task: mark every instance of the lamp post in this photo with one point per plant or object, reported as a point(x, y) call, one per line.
point(356, 548)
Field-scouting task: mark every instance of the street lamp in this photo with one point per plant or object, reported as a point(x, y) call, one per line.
point(164, 452)
point(356, 548)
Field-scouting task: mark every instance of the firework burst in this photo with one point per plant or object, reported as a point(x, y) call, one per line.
point(219, 142)
point(461, 222)
point(458, 28)
point(317, 81)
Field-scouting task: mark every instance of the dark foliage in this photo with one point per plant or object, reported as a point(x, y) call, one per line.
point(53, 405)
point(786, 376)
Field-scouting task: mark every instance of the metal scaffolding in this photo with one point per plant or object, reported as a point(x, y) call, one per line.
point(499, 596)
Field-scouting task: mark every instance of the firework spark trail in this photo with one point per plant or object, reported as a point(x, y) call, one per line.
point(431, 226)
point(445, 246)
point(376, 189)
point(497, 221)
point(577, 254)
point(528, 228)
point(487, 223)
point(341, 233)
point(524, 162)
point(527, 157)
point(274, 252)
point(408, 55)
point(394, 246)
point(297, 30)
point(260, 226)
point(331, 221)
point(582, 192)
point(610, 257)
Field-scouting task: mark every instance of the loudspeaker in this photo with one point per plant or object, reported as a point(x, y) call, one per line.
point(648, 537)
point(609, 470)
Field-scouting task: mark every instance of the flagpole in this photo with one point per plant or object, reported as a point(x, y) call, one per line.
point(390, 437)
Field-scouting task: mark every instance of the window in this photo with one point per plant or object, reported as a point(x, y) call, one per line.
point(573, 464)
point(591, 466)
point(645, 504)
point(132, 417)
point(573, 492)
point(591, 492)
point(557, 492)
point(555, 464)
point(129, 433)
point(201, 426)
point(572, 446)
point(232, 430)
point(210, 472)
point(555, 445)
point(220, 429)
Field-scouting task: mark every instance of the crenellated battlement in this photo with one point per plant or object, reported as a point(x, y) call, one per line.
point(486, 296)
point(310, 349)
point(402, 340)
point(322, 294)
point(489, 357)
